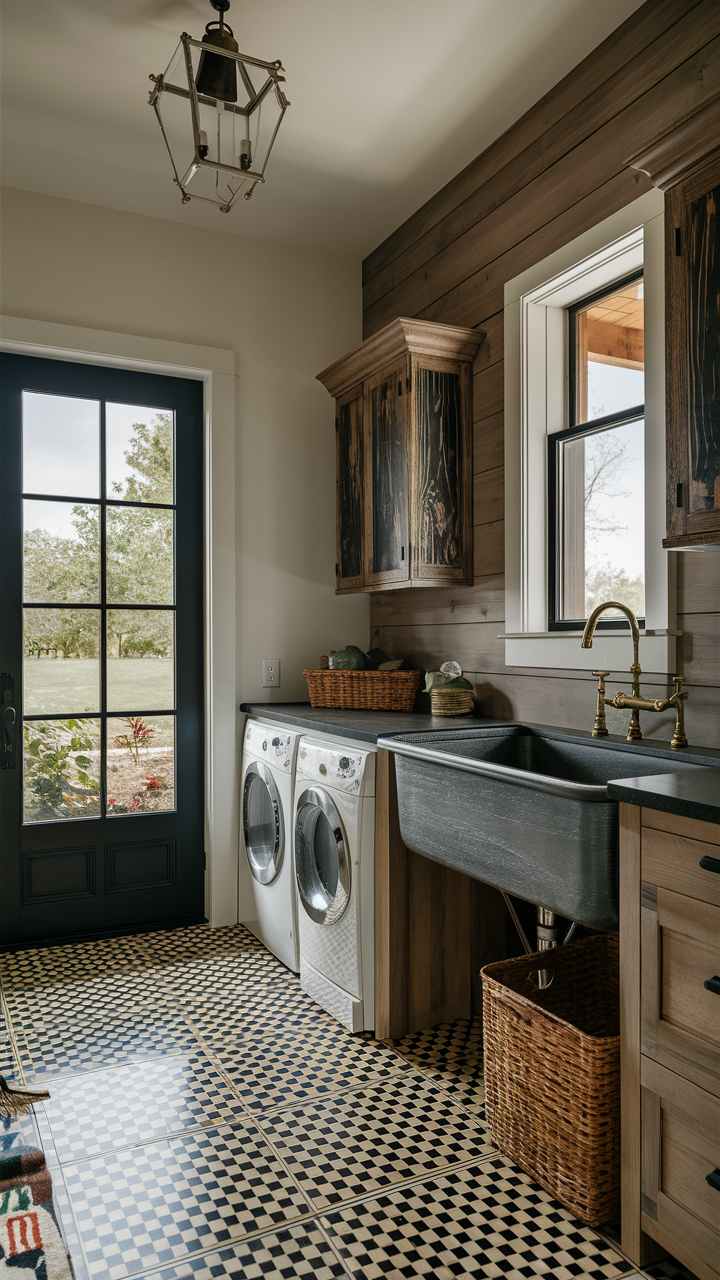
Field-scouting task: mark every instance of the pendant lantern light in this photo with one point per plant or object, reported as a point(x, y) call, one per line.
point(218, 128)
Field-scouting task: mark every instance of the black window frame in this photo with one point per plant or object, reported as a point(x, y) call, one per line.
point(574, 430)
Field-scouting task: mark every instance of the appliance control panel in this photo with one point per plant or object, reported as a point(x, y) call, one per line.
point(341, 767)
point(270, 744)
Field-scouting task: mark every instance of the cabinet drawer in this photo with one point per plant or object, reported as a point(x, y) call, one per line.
point(680, 1148)
point(680, 1015)
point(673, 861)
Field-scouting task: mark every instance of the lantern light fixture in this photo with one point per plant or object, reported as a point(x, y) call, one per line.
point(218, 128)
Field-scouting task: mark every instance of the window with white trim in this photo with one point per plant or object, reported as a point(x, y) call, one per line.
point(585, 448)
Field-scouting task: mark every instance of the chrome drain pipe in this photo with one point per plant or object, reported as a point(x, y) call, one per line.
point(546, 941)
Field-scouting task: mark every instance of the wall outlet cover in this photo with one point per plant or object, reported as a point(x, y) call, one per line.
point(271, 673)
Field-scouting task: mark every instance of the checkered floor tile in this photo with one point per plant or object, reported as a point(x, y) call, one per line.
point(49, 1049)
point(486, 1221)
point(152, 1205)
point(301, 1251)
point(290, 1069)
point(361, 1142)
point(181, 945)
point(125, 1105)
point(52, 965)
point(451, 1054)
point(277, 1007)
point(217, 980)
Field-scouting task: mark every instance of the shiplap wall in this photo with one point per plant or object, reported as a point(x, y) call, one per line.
point(557, 172)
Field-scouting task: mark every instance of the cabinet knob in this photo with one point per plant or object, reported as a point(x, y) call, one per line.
point(714, 1179)
point(713, 984)
point(710, 864)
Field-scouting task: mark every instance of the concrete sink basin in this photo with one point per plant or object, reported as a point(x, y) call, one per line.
point(524, 808)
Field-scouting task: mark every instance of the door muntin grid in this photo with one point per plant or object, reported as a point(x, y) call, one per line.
point(92, 738)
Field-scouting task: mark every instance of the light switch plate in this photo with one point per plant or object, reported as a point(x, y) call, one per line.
point(271, 673)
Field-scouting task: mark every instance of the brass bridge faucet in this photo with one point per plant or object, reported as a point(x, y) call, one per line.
point(633, 700)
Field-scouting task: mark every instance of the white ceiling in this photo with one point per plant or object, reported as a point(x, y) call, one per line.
point(390, 99)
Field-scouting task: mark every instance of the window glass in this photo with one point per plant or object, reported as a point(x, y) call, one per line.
point(602, 521)
point(598, 515)
point(609, 354)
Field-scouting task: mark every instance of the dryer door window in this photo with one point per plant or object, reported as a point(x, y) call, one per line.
point(262, 823)
point(322, 858)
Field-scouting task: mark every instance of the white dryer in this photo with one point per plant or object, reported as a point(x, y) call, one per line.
point(267, 902)
point(334, 847)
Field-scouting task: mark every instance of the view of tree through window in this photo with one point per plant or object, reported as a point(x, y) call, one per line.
point(599, 461)
point(111, 556)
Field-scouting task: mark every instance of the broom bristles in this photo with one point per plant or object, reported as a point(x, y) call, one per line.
point(14, 1101)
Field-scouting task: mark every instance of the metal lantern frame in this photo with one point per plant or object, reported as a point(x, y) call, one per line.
point(256, 98)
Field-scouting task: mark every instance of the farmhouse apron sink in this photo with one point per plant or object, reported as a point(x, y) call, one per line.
point(523, 808)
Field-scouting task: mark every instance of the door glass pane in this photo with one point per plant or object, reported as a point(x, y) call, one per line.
point(61, 445)
point(260, 828)
point(139, 453)
point(350, 488)
point(61, 552)
point(61, 667)
point(609, 348)
point(601, 537)
point(140, 764)
point(61, 769)
point(139, 555)
point(140, 659)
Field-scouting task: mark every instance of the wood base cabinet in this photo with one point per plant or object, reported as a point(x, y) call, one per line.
point(404, 468)
point(670, 1038)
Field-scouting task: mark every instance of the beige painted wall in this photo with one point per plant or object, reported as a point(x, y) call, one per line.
point(286, 313)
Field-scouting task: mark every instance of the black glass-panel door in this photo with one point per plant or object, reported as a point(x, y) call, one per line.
point(101, 786)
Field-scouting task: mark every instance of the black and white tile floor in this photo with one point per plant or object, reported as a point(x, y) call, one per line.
point(208, 1121)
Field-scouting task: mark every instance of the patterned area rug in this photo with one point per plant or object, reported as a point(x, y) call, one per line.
point(30, 1242)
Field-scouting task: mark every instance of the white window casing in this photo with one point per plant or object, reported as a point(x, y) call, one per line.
point(537, 404)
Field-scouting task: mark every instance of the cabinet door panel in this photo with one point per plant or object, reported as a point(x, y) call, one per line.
point(703, 297)
point(438, 410)
point(350, 493)
point(389, 559)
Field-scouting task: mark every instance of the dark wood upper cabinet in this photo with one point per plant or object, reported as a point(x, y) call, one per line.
point(678, 162)
point(404, 457)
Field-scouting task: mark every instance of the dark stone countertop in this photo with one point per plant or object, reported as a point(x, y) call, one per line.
point(365, 726)
point(695, 793)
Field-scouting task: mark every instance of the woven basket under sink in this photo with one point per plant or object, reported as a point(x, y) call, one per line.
point(552, 1072)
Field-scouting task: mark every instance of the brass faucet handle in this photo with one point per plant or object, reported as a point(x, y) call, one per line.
point(600, 728)
point(678, 680)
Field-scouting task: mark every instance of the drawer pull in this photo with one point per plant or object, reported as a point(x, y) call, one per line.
point(713, 984)
point(710, 864)
point(714, 1179)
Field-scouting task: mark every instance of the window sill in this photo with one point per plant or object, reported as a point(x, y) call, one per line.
point(611, 650)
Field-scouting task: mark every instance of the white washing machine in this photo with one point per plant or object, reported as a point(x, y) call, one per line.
point(334, 847)
point(267, 902)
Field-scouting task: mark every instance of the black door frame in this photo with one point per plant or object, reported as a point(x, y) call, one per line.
point(98, 381)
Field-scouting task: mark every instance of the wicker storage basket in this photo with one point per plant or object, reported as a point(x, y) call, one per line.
point(552, 1072)
point(363, 690)
point(452, 702)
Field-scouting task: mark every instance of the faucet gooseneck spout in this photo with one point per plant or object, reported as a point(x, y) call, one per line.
point(634, 730)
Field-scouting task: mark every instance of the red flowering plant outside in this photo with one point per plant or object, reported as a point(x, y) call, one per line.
point(139, 736)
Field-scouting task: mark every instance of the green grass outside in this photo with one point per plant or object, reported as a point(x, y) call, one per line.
point(70, 686)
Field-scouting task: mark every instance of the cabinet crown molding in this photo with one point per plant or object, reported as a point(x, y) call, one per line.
point(674, 155)
point(419, 337)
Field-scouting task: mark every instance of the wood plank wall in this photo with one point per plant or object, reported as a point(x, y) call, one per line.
point(557, 172)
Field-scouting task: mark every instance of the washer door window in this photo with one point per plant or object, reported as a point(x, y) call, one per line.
point(322, 858)
point(262, 823)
